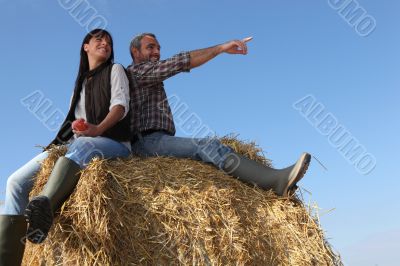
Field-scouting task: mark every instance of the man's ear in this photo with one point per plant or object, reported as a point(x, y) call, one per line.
point(135, 52)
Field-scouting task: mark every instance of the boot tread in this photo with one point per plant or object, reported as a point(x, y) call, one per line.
point(39, 216)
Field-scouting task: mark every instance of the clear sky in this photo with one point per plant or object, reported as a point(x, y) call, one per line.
point(305, 56)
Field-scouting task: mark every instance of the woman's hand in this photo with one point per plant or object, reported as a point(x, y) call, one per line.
point(91, 131)
point(116, 113)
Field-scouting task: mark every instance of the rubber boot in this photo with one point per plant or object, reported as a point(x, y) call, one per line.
point(282, 182)
point(40, 210)
point(12, 239)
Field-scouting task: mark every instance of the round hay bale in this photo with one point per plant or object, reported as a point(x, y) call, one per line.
point(168, 211)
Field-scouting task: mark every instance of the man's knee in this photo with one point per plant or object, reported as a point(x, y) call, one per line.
point(209, 145)
point(211, 149)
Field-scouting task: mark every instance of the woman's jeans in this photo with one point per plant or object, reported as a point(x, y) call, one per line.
point(81, 151)
point(209, 150)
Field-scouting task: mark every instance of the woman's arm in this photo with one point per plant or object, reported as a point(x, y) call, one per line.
point(117, 113)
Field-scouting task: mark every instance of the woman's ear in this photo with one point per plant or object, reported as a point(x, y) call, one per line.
point(86, 47)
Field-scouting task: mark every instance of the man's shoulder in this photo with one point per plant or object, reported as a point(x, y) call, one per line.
point(136, 67)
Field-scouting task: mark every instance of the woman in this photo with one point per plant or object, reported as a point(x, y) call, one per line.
point(101, 97)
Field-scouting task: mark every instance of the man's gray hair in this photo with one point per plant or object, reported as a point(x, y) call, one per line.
point(136, 41)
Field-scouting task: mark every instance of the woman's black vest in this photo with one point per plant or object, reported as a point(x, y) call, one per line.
point(97, 103)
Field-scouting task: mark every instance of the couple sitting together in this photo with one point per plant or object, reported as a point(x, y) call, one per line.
point(126, 112)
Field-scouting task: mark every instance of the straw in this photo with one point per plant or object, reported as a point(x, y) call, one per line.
point(169, 211)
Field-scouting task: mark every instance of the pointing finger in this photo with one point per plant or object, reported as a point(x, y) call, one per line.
point(247, 39)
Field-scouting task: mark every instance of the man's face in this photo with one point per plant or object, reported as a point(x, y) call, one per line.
point(149, 50)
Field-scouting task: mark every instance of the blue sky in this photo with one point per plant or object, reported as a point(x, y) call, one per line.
point(301, 50)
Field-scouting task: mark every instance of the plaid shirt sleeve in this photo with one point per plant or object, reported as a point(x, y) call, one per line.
point(150, 73)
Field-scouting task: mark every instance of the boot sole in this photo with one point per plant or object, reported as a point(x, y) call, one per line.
point(39, 216)
point(302, 167)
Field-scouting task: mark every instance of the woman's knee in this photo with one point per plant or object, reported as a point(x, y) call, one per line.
point(13, 183)
point(23, 178)
point(18, 183)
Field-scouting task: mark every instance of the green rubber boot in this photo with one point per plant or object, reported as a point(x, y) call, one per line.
point(282, 182)
point(40, 210)
point(12, 239)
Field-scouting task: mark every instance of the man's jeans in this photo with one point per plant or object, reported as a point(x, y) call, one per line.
point(208, 150)
point(81, 151)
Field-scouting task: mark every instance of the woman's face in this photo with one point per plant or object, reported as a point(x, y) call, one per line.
point(98, 48)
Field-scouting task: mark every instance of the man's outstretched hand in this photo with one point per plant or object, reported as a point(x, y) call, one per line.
point(201, 56)
point(236, 46)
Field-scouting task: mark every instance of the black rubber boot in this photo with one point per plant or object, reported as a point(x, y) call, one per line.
point(12, 239)
point(282, 182)
point(40, 210)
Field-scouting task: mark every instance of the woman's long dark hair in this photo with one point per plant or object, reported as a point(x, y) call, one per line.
point(84, 60)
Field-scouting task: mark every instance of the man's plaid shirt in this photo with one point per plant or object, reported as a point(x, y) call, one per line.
point(149, 105)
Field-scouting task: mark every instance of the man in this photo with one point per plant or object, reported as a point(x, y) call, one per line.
point(153, 126)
